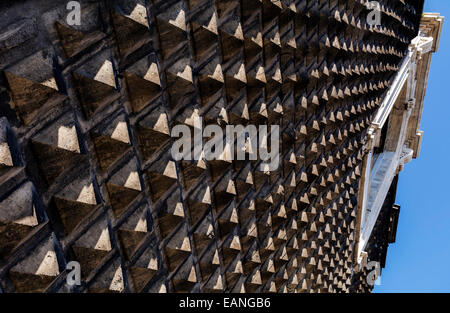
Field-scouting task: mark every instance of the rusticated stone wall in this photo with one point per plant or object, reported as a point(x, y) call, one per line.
point(85, 169)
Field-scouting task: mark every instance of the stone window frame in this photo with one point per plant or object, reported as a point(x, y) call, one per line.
point(400, 111)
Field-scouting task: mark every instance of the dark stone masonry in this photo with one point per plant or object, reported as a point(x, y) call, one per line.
point(86, 113)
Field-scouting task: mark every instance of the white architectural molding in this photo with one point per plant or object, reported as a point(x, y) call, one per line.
point(393, 93)
point(404, 100)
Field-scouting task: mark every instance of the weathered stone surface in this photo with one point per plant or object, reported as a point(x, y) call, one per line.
point(17, 33)
point(90, 112)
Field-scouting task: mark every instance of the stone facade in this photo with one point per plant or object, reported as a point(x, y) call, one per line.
point(87, 110)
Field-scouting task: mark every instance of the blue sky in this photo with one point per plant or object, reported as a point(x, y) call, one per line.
point(419, 261)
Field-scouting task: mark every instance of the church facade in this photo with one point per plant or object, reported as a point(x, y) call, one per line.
point(92, 93)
